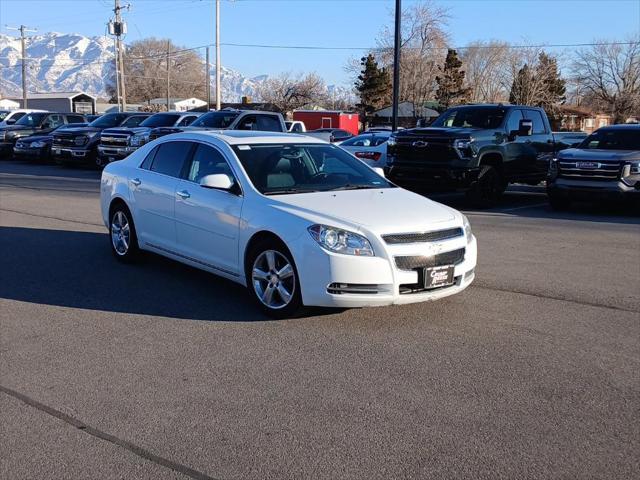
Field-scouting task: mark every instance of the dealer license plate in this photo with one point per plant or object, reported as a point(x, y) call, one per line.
point(438, 276)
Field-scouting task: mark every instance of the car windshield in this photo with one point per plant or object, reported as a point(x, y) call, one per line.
point(161, 120)
point(302, 168)
point(109, 120)
point(31, 119)
point(613, 140)
point(216, 119)
point(471, 117)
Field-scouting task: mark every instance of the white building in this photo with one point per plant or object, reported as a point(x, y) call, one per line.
point(179, 104)
point(6, 104)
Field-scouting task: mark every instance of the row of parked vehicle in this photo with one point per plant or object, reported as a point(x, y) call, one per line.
point(477, 149)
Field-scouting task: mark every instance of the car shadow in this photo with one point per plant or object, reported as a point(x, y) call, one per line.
point(76, 269)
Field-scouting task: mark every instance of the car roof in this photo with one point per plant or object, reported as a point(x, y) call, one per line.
point(622, 126)
point(244, 137)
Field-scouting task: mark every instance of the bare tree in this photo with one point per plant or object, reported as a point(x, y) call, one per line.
point(289, 92)
point(610, 75)
point(423, 49)
point(145, 67)
point(488, 72)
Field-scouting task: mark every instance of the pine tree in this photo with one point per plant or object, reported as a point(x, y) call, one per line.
point(373, 86)
point(522, 88)
point(553, 88)
point(450, 83)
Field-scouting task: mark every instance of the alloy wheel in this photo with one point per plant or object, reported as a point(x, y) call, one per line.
point(120, 233)
point(273, 279)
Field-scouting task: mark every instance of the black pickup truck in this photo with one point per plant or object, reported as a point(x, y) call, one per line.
point(80, 145)
point(479, 149)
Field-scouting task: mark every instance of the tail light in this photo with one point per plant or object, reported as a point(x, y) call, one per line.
point(375, 156)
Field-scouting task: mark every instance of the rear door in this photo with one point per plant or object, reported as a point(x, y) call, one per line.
point(154, 190)
point(541, 143)
point(208, 220)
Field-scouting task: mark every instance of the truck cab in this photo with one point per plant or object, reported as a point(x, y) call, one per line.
point(478, 149)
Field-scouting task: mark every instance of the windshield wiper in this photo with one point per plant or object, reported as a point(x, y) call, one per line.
point(349, 186)
point(290, 190)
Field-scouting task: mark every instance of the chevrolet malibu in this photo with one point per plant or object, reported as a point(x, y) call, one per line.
point(294, 219)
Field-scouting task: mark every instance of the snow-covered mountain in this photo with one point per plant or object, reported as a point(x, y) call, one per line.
point(69, 62)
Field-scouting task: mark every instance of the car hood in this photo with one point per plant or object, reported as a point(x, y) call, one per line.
point(387, 210)
point(593, 154)
point(36, 138)
point(454, 132)
point(80, 130)
point(19, 128)
point(125, 130)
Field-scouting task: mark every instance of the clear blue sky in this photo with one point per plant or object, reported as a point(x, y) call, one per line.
point(334, 23)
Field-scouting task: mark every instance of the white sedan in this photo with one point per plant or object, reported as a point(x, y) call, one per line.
point(370, 147)
point(296, 220)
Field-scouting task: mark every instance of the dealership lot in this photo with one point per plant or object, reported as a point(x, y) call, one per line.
point(161, 371)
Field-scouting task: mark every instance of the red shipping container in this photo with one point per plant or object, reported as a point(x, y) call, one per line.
point(314, 119)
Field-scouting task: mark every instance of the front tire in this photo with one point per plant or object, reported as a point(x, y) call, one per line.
point(488, 189)
point(122, 234)
point(272, 279)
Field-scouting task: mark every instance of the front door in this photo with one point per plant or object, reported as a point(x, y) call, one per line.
point(208, 220)
point(153, 188)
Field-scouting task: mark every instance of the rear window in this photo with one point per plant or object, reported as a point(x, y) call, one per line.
point(613, 139)
point(160, 120)
point(170, 158)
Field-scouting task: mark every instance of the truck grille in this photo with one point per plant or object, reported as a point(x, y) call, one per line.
point(114, 140)
point(411, 262)
point(63, 140)
point(589, 170)
point(421, 237)
point(416, 150)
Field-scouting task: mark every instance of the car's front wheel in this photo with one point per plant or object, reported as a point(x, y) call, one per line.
point(488, 189)
point(272, 279)
point(122, 233)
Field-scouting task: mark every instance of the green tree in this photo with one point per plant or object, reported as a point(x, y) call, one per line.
point(373, 87)
point(451, 89)
point(523, 87)
point(554, 90)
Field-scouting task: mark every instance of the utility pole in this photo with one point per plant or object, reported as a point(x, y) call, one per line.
point(168, 72)
point(208, 81)
point(23, 29)
point(396, 67)
point(218, 93)
point(118, 28)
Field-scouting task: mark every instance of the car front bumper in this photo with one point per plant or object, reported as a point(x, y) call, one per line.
point(73, 155)
point(112, 154)
point(592, 189)
point(378, 280)
point(439, 177)
point(30, 153)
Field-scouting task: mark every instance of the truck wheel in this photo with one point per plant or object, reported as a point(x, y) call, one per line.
point(558, 202)
point(488, 189)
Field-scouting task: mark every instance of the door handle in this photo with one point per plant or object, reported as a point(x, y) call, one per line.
point(136, 181)
point(183, 194)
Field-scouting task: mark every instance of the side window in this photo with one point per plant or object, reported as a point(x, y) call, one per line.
point(187, 121)
point(538, 124)
point(17, 116)
point(297, 128)
point(207, 161)
point(75, 119)
point(170, 158)
point(341, 134)
point(133, 121)
point(146, 164)
point(513, 122)
point(269, 123)
point(248, 123)
point(53, 121)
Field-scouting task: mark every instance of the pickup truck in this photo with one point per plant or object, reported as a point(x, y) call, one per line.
point(606, 165)
point(229, 119)
point(117, 143)
point(80, 145)
point(478, 149)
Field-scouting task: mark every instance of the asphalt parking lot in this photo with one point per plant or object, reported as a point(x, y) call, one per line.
point(160, 371)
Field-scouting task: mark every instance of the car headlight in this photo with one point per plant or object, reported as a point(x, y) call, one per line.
point(467, 228)
point(341, 241)
point(464, 147)
point(631, 173)
point(553, 168)
point(37, 144)
point(138, 139)
point(79, 141)
point(391, 141)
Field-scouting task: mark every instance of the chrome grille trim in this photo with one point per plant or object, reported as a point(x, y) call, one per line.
point(421, 237)
point(411, 262)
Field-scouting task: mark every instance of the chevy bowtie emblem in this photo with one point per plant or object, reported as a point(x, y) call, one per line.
point(419, 143)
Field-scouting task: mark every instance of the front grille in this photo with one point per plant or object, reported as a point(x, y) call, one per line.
point(603, 171)
point(418, 237)
point(114, 140)
point(424, 150)
point(63, 140)
point(411, 262)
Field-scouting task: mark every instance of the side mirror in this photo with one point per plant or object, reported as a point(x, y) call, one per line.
point(11, 121)
point(218, 181)
point(525, 128)
point(379, 171)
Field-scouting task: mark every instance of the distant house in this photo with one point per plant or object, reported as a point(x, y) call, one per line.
point(408, 115)
point(6, 104)
point(581, 119)
point(178, 104)
point(77, 102)
point(113, 107)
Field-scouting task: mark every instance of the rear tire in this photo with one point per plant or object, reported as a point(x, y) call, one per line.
point(488, 189)
point(272, 279)
point(122, 234)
